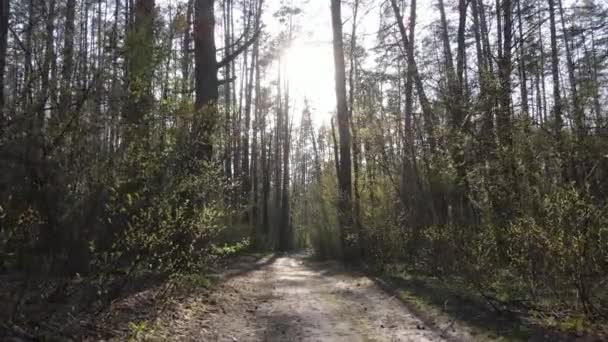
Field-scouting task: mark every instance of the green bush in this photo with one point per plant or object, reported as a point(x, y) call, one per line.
point(565, 249)
point(164, 223)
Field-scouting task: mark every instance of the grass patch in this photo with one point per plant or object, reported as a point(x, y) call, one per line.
point(140, 331)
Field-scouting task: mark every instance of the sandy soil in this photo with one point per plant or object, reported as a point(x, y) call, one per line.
point(291, 299)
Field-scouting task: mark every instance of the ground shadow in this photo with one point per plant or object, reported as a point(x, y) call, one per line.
point(281, 327)
point(245, 265)
point(62, 308)
point(329, 268)
point(474, 313)
point(65, 309)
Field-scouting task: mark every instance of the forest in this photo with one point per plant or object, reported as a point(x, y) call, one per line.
point(152, 143)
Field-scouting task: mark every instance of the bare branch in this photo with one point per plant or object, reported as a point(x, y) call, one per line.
point(238, 51)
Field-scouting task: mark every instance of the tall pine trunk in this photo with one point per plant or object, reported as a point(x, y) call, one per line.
point(557, 98)
point(140, 49)
point(352, 80)
point(4, 15)
point(345, 214)
point(205, 76)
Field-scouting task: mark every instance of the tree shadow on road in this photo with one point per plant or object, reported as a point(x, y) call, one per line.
point(244, 264)
point(433, 301)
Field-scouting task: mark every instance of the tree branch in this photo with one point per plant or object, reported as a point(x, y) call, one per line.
point(224, 81)
point(238, 51)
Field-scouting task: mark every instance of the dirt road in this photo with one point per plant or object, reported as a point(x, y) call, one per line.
point(291, 299)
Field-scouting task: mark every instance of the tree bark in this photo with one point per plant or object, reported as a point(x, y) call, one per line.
point(522, 65)
point(285, 234)
point(265, 179)
point(484, 75)
point(140, 51)
point(455, 101)
point(352, 80)
point(186, 42)
point(277, 159)
point(228, 134)
point(255, 160)
point(427, 110)
point(49, 55)
point(4, 15)
point(504, 71)
point(579, 115)
point(245, 164)
point(409, 89)
point(205, 75)
point(557, 99)
point(345, 214)
point(425, 104)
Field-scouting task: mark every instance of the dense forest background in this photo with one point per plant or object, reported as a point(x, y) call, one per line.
point(161, 136)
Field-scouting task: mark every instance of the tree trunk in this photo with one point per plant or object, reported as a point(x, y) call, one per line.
point(353, 78)
point(206, 81)
point(186, 42)
point(4, 15)
point(455, 101)
point(265, 179)
point(523, 86)
point(140, 52)
point(408, 150)
point(557, 99)
point(483, 26)
point(255, 145)
point(345, 215)
point(543, 88)
point(579, 115)
point(246, 172)
point(319, 175)
point(409, 94)
point(277, 159)
point(427, 110)
point(49, 55)
point(285, 234)
point(445, 38)
point(504, 71)
point(484, 73)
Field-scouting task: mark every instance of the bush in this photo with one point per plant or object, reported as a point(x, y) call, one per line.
point(164, 221)
point(558, 259)
point(565, 249)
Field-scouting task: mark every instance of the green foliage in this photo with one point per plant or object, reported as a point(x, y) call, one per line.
point(564, 249)
point(19, 237)
point(227, 250)
point(193, 281)
point(524, 228)
point(319, 221)
point(139, 331)
point(157, 208)
point(559, 256)
point(164, 223)
point(384, 240)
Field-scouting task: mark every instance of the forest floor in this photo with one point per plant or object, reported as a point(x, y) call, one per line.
point(290, 298)
point(270, 298)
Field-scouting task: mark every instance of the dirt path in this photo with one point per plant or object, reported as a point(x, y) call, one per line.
point(290, 299)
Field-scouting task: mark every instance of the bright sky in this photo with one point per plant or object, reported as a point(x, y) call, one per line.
point(310, 65)
point(309, 62)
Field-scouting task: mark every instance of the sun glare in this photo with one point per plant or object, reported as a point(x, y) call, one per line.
point(309, 67)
